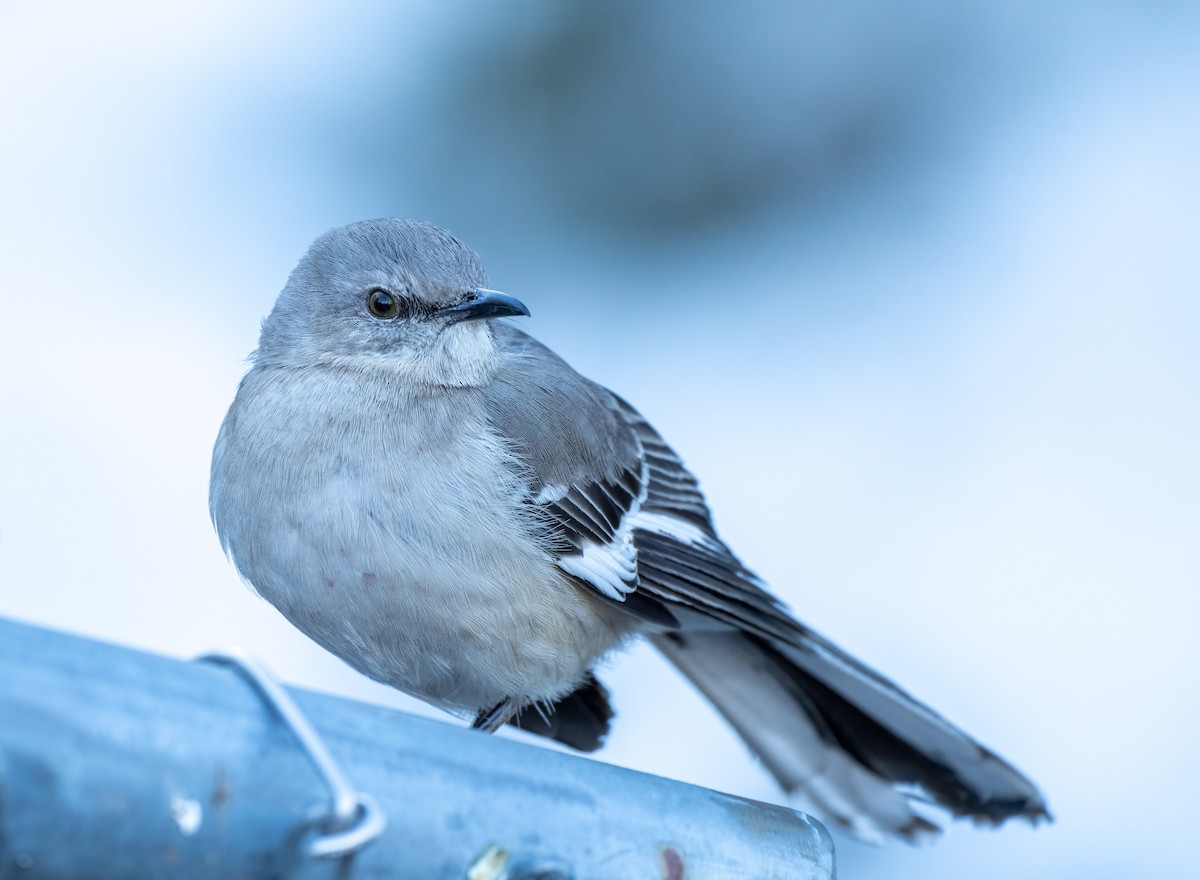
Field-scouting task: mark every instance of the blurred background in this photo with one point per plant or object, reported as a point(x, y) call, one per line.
point(911, 287)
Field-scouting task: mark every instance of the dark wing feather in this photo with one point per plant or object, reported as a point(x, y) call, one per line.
point(584, 464)
point(680, 558)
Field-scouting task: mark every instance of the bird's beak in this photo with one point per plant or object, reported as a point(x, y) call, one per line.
point(484, 303)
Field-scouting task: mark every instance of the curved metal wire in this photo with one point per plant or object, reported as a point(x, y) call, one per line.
point(354, 818)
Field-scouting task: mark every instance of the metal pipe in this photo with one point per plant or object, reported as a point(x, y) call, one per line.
point(116, 763)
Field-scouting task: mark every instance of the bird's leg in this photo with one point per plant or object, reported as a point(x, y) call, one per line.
point(491, 720)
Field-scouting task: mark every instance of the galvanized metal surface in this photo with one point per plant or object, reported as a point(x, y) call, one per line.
point(120, 764)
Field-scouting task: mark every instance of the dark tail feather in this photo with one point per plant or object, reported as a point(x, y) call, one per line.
point(852, 746)
point(579, 720)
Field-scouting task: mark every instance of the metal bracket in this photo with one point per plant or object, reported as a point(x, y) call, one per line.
point(354, 818)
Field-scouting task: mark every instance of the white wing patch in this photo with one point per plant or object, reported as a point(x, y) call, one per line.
point(606, 557)
point(664, 524)
point(610, 568)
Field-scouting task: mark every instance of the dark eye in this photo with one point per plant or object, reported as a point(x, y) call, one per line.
point(383, 304)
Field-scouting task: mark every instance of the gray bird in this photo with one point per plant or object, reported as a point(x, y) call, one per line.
point(441, 501)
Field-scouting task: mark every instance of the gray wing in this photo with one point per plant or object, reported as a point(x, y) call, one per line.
point(626, 518)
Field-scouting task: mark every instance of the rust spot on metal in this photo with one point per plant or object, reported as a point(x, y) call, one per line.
point(221, 792)
point(672, 863)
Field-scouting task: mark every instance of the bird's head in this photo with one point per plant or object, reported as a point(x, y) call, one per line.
point(403, 296)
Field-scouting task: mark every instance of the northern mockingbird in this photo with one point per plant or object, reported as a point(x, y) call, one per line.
point(445, 504)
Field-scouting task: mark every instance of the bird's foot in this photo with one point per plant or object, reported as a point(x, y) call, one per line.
point(491, 720)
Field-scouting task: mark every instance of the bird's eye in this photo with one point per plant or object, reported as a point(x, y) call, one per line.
point(383, 304)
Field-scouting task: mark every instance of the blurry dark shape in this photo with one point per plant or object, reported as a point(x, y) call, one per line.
point(668, 118)
point(580, 720)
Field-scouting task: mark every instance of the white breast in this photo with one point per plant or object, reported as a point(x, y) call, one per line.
point(390, 530)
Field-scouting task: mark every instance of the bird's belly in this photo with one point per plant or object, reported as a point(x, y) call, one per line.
point(429, 585)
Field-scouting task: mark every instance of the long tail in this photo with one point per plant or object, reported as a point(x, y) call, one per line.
point(851, 746)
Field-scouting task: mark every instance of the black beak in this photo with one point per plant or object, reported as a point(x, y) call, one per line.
point(484, 303)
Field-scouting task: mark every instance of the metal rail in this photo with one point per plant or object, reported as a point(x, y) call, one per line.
point(118, 764)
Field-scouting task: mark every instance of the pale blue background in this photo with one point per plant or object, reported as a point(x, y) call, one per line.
point(912, 287)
